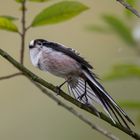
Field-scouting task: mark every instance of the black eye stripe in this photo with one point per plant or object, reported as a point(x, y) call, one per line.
point(39, 43)
point(31, 46)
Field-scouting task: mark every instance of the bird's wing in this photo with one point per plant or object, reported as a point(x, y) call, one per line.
point(68, 51)
point(77, 89)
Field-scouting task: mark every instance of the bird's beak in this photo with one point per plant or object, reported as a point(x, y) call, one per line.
point(31, 46)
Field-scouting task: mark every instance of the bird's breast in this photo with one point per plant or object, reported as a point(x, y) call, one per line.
point(59, 64)
point(35, 55)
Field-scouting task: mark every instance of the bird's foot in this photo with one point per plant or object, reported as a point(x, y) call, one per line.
point(81, 97)
point(58, 88)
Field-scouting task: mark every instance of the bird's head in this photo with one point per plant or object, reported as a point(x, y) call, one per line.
point(36, 47)
point(37, 44)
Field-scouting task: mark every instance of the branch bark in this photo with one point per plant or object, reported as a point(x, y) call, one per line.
point(39, 80)
point(75, 113)
point(23, 33)
point(129, 7)
point(10, 76)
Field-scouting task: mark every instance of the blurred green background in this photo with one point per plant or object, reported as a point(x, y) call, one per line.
point(26, 113)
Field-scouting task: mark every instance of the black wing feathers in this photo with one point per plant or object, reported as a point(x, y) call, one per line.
point(67, 51)
point(110, 105)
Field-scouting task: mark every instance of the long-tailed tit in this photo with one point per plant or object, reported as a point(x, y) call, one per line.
point(77, 72)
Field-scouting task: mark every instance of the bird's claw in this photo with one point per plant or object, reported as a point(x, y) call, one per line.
point(58, 88)
point(81, 97)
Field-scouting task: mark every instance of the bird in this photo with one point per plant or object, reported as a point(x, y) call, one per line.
point(82, 82)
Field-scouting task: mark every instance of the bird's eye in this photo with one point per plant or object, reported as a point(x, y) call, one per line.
point(39, 43)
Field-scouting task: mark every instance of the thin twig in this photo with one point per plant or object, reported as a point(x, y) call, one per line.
point(10, 76)
point(19, 33)
point(28, 27)
point(75, 113)
point(129, 7)
point(23, 32)
point(39, 80)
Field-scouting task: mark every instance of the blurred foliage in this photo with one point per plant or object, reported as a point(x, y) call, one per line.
point(117, 26)
point(120, 71)
point(19, 1)
point(7, 24)
point(133, 105)
point(138, 119)
point(120, 28)
point(113, 24)
point(9, 17)
point(130, 104)
point(131, 2)
point(127, 13)
point(98, 28)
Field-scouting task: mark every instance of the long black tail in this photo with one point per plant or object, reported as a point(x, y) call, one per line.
point(111, 107)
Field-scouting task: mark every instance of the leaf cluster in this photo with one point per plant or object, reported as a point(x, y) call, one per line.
point(53, 14)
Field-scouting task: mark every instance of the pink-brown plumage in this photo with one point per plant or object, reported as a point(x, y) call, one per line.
point(59, 64)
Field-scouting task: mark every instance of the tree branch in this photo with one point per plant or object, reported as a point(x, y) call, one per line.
point(129, 7)
point(75, 113)
point(10, 76)
point(39, 80)
point(23, 33)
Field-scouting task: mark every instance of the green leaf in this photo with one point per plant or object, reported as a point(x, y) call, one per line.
point(131, 2)
point(130, 104)
point(138, 119)
point(98, 28)
point(9, 17)
point(59, 12)
point(123, 71)
point(123, 31)
point(19, 1)
point(39, 0)
point(8, 25)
